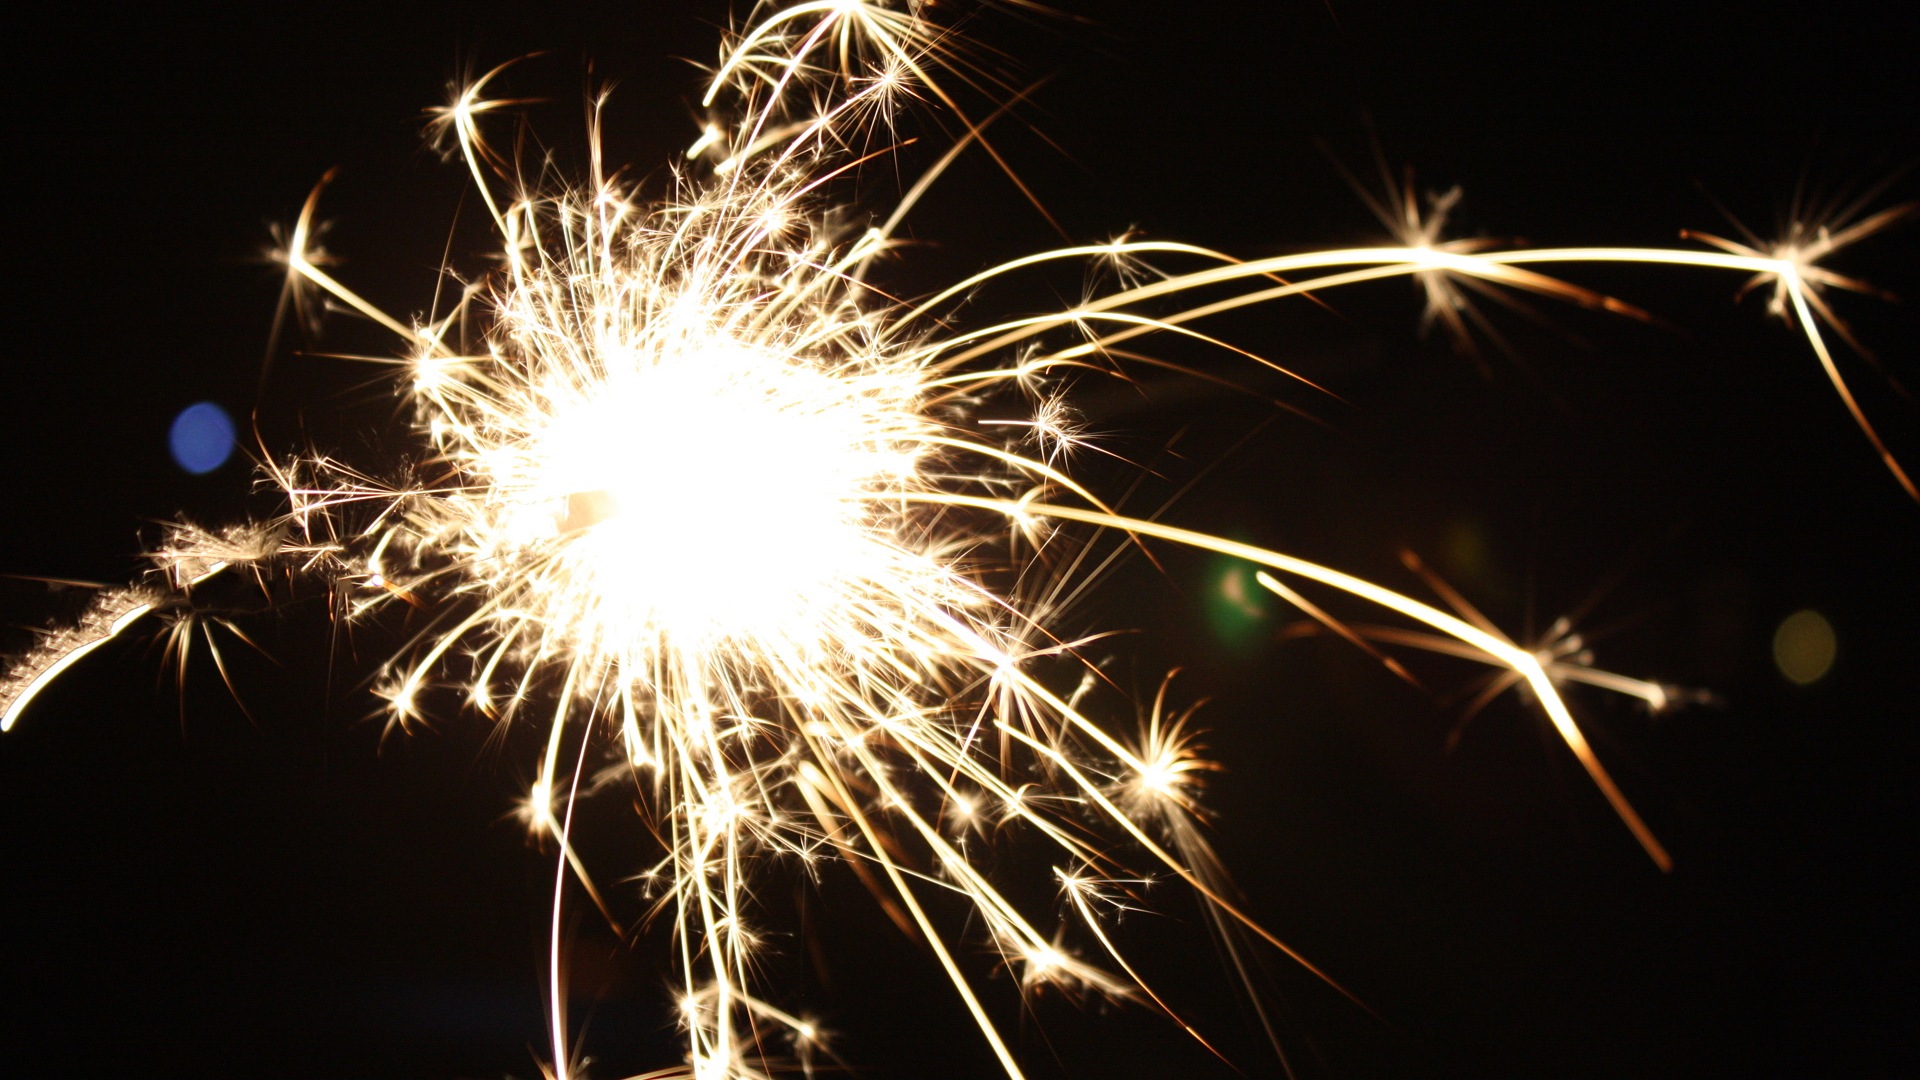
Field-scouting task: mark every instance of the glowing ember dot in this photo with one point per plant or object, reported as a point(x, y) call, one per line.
point(1157, 778)
point(1045, 959)
point(1804, 647)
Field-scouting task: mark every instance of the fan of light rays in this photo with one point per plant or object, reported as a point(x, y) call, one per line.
point(692, 488)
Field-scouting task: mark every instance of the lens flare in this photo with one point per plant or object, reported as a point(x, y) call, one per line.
point(1804, 647)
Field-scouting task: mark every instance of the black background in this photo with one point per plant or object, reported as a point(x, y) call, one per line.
point(190, 891)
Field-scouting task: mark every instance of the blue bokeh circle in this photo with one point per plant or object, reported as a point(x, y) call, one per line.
point(201, 438)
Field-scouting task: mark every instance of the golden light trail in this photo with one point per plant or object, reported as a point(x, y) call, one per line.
point(691, 490)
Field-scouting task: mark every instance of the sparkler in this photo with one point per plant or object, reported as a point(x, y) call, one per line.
point(693, 487)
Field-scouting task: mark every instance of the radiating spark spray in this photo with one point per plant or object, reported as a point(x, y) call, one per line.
point(1563, 653)
point(703, 494)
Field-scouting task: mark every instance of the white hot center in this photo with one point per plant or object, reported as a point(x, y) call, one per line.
point(721, 493)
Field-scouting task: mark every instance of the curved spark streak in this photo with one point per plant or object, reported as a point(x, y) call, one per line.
point(1497, 650)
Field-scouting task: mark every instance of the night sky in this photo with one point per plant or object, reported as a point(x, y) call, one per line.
point(197, 889)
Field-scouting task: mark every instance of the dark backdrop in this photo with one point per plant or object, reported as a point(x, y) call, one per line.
point(193, 891)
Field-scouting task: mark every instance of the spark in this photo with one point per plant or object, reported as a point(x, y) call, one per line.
point(1564, 654)
point(702, 496)
point(1796, 280)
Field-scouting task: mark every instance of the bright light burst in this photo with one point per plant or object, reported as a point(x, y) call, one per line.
point(695, 489)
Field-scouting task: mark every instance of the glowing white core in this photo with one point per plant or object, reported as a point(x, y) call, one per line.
point(719, 492)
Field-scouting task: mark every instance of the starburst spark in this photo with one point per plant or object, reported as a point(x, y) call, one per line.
point(695, 489)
